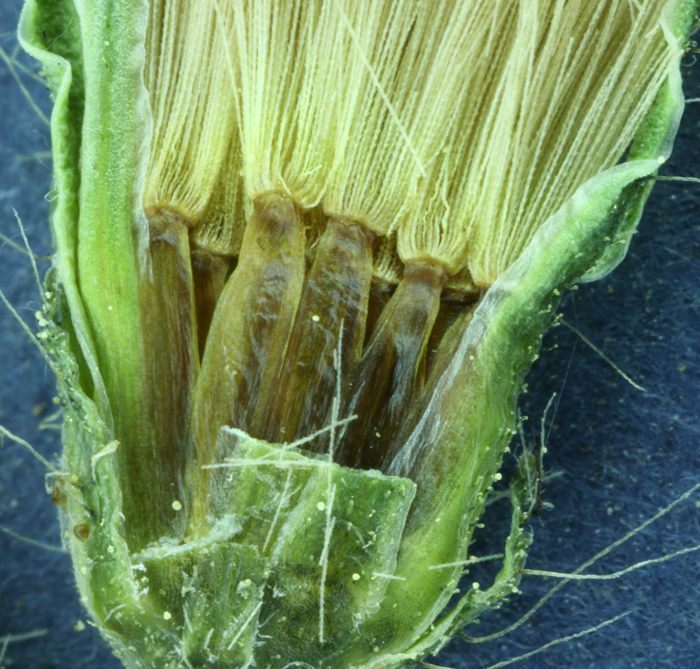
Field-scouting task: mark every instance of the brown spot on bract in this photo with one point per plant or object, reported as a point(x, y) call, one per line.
point(82, 531)
point(58, 496)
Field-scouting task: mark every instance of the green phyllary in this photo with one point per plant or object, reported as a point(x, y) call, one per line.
point(306, 253)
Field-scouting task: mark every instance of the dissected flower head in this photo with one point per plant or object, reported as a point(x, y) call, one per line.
point(310, 256)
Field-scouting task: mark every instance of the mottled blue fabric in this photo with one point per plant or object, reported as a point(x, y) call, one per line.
point(619, 454)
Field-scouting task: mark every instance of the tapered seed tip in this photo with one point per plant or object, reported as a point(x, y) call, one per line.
point(160, 219)
point(426, 270)
point(278, 211)
point(351, 229)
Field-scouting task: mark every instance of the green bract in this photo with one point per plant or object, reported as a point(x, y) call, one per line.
point(184, 546)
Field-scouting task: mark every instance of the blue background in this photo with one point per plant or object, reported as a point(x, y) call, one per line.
point(620, 454)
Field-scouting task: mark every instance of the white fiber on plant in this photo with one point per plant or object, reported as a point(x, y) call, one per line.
point(413, 81)
point(223, 221)
point(287, 65)
point(192, 106)
point(557, 108)
point(409, 117)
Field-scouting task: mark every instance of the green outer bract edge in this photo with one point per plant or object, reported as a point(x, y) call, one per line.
point(99, 233)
